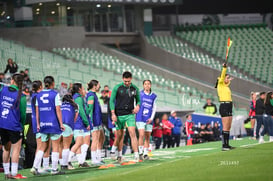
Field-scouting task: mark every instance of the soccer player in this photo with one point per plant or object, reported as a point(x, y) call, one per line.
point(80, 125)
point(225, 109)
point(12, 120)
point(69, 114)
point(94, 111)
point(37, 86)
point(49, 124)
point(123, 110)
point(144, 118)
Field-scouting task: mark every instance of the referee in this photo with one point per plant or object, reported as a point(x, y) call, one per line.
point(224, 94)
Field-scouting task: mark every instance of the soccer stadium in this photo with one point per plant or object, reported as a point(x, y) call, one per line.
point(136, 90)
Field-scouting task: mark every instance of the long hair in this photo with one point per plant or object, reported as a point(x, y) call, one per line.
point(267, 98)
point(76, 88)
point(92, 83)
point(36, 85)
point(48, 81)
point(68, 98)
point(18, 79)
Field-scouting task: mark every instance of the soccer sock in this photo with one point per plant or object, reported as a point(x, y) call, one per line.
point(140, 149)
point(65, 154)
point(225, 138)
point(61, 161)
point(99, 155)
point(94, 156)
point(71, 154)
point(55, 159)
point(114, 148)
point(14, 168)
point(38, 159)
point(120, 153)
point(146, 150)
point(46, 162)
point(79, 158)
point(136, 154)
point(84, 149)
point(6, 168)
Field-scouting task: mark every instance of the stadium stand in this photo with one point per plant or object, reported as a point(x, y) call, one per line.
point(246, 55)
point(83, 64)
point(174, 45)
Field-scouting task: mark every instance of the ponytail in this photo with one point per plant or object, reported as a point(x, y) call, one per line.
point(18, 79)
point(76, 88)
point(48, 81)
point(36, 85)
point(68, 98)
point(92, 83)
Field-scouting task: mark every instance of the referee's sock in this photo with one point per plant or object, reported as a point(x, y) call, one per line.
point(225, 138)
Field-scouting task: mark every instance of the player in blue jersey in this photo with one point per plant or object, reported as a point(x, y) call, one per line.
point(36, 88)
point(86, 135)
point(49, 124)
point(69, 114)
point(144, 118)
point(82, 123)
point(94, 111)
point(12, 120)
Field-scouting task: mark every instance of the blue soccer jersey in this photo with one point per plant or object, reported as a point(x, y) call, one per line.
point(96, 116)
point(147, 107)
point(46, 102)
point(79, 124)
point(10, 112)
point(68, 114)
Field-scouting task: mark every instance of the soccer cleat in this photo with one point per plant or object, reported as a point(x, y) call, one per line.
point(18, 176)
point(34, 171)
point(113, 155)
point(84, 165)
point(150, 154)
point(227, 148)
point(141, 157)
point(57, 172)
point(8, 176)
point(136, 159)
point(119, 159)
point(261, 140)
point(146, 157)
point(110, 165)
point(64, 167)
point(70, 166)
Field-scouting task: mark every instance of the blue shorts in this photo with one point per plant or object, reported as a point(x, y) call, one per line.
point(68, 131)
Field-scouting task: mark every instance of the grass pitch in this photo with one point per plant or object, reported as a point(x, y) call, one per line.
point(249, 161)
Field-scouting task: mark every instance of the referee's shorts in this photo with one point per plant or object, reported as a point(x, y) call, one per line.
point(225, 109)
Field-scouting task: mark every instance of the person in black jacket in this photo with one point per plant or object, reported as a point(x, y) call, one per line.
point(259, 110)
point(11, 67)
point(268, 118)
